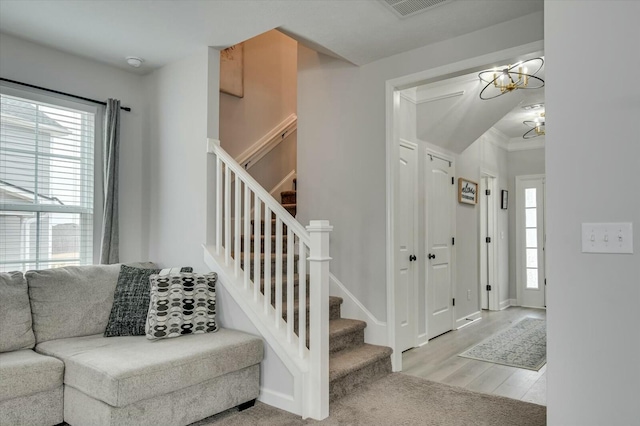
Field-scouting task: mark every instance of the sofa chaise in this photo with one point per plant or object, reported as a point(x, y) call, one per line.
point(68, 371)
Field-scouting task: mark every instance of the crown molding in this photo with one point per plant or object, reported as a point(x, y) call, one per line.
point(406, 95)
point(519, 144)
point(424, 100)
point(497, 138)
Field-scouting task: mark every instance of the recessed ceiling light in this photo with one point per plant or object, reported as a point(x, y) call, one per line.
point(134, 61)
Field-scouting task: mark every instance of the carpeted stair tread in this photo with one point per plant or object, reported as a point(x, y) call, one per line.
point(341, 326)
point(288, 197)
point(345, 362)
point(262, 257)
point(334, 306)
point(345, 334)
point(296, 281)
point(262, 239)
point(291, 208)
point(273, 226)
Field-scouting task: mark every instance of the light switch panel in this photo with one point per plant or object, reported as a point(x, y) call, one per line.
point(607, 237)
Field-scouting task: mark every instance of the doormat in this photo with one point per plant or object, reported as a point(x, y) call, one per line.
point(524, 345)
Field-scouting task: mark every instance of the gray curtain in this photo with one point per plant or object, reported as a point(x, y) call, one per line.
point(109, 252)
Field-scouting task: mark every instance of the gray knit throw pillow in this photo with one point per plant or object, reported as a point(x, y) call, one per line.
point(131, 301)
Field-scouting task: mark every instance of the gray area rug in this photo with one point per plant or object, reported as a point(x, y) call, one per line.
point(524, 345)
point(399, 399)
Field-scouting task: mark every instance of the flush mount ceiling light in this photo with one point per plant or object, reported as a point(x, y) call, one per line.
point(508, 78)
point(538, 128)
point(134, 61)
point(532, 106)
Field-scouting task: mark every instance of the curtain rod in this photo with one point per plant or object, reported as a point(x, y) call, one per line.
point(60, 93)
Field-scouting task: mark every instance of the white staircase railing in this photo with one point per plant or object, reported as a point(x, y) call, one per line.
point(243, 252)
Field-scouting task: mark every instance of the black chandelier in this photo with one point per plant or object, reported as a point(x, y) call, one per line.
point(511, 77)
point(537, 127)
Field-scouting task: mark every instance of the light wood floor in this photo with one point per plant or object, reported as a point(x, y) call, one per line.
point(439, 361)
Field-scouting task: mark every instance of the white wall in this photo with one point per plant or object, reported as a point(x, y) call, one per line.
point(183, 104)
point(270, 96)
point(592, 173)
point(528, 162)
point(341, 146)
point(35, 64)
point(176, 163)
point(485, 155)
point(277, 164)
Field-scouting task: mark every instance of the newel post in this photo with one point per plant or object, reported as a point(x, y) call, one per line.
point(317, 401)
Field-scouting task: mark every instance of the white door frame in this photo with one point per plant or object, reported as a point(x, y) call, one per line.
point(520, 269)
point(392, 103)
point(492, 249)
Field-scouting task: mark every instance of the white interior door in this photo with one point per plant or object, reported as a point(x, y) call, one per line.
point(484, 232)
point(488, 282)
point(530, 241)
point(439, 196)
point(406, 226)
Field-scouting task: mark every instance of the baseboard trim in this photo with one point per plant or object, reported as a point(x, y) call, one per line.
point(507, 303)
point(376, 331)
point(279, 400)
point(510, 302)
point(469, 319)
point(422, 340)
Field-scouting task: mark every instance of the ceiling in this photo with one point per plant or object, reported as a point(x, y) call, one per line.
point(160, 32)
point(450, 113)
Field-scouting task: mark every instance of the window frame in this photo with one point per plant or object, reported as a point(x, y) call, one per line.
point(36, 95)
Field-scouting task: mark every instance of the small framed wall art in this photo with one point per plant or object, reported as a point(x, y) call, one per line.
point(467, 191)
point(505, 200)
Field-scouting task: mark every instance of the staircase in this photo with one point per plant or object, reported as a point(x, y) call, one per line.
point(277, 271)
point(352, 362)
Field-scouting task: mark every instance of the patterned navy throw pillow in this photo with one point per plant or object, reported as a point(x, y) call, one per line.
point(131, 300)
point(182, 304)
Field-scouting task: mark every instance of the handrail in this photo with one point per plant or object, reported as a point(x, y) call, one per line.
point(213, 147)
point(251, 260)
point(269, 141)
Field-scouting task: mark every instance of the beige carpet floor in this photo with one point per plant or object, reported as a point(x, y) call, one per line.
point(398, 399)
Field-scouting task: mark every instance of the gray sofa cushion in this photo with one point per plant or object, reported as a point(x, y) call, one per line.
point(123, 370)
point(181, 407)
point(26, 372)
point(15, 313)
point(71, 301)
point(38, 409)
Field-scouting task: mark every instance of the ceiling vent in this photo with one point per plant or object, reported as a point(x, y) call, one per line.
point(407, 8)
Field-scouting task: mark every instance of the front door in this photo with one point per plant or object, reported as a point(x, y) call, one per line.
point(406, 274)
point(530, 241)
point(439, 199)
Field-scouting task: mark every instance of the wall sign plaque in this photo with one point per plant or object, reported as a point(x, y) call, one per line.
point(467, 191)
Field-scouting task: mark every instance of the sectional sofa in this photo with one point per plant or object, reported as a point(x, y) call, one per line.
point(55, 364)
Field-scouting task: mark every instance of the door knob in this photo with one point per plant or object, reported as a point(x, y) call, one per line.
point(412, 258)
point(432, 256)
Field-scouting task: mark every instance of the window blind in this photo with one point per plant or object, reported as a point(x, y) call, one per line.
point(46, 184)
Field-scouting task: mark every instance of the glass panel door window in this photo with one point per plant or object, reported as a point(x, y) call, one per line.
point(530, 261)
point(531, 240)
point(46, 182)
